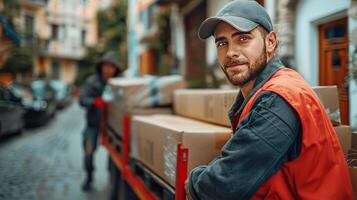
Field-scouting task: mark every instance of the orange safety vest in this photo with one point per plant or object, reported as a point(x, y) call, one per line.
point(320, 171)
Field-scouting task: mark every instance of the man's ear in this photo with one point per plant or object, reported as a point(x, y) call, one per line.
point(270, 43)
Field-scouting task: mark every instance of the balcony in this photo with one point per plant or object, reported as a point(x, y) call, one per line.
point(34, 3)
point(55, 48)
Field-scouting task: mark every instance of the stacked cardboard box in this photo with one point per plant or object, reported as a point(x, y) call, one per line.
point(144, 92)
point(204, 104)
point(138, 96)
point(344, 135)
point(329, 98)
point(156, 138)
point(116, 115)
point(207, 105)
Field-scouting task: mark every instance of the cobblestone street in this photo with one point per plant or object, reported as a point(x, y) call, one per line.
point(46, 162)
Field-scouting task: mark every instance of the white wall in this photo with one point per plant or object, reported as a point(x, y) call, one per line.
point(213, 7)
point(178, 38)
point(311, 13)
point(270, 6)
point(352, 24)
point(132, 39)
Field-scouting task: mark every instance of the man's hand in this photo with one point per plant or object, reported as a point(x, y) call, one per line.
point(98, 102)
point(188, 196)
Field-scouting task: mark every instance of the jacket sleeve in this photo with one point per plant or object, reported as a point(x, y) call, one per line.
point(266, 138)
point(87, 94)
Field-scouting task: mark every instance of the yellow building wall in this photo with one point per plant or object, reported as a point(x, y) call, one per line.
point(42, 27)
point(89, 14)
point(69, 71)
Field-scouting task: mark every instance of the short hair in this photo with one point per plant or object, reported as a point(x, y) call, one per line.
point(264, 33)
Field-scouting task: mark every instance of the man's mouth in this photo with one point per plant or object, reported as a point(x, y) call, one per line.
point(236, 65)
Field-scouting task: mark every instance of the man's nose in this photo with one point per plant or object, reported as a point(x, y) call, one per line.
point(233, 51)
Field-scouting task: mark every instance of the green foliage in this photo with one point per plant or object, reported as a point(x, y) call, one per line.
point(160, 41)
point(112, 32)
point(87, 65)
point(112, 26)
point(11, 9)
point(164, 35)
point(20, 61)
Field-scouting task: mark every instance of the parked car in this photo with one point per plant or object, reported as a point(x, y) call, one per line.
point(38, 100)
point(11, 112)
point(63, 93)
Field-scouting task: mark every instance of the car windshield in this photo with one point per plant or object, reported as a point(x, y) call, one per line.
point(38, 89)
point(60, 87)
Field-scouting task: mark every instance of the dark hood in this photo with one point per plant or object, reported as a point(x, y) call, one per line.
point(109, 57)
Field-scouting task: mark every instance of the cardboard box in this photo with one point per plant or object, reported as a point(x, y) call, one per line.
point(344, 135)
point(143, 92)
point(115, 115)
point(328, 95)
point(207, 105)
point(157, 137)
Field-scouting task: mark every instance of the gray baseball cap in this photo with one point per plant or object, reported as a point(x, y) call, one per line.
point(243, 15)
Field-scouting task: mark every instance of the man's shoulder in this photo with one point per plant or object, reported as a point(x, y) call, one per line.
point(92, 79)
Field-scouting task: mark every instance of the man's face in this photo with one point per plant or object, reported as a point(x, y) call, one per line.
point(241, 55)
point(108, 70)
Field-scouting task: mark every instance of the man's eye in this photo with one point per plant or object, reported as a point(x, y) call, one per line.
point(220, 44)
point(243, 38)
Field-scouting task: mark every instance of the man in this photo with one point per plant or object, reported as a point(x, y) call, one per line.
point(283, 144)
point(91, 99)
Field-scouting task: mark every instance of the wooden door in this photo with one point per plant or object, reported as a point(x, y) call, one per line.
point(333, 48)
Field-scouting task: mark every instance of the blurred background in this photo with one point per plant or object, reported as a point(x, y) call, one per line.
point(49, 47)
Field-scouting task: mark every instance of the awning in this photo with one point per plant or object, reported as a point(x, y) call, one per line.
point(9, 32)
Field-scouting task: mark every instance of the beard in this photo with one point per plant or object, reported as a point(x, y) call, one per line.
point(242, 77)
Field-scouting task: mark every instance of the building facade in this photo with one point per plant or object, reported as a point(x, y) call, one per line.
point(321, 45)
point(62, 29)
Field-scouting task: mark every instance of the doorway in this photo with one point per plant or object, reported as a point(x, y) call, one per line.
point(333, 57)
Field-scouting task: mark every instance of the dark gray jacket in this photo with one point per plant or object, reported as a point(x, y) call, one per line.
point(92, 89)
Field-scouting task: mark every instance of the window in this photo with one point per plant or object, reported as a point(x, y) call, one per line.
point(54, 31)
point(83, 37)
point(335, 32)
point(29, 29)
point(55, 69)
point(63, 34)
point(29, 24)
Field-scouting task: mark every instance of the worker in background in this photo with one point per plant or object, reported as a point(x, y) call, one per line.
point(91, 99)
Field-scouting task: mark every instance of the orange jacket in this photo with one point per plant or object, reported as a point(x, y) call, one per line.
point(320, 171)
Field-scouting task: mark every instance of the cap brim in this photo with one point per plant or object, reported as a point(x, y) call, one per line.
point(208, 26)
